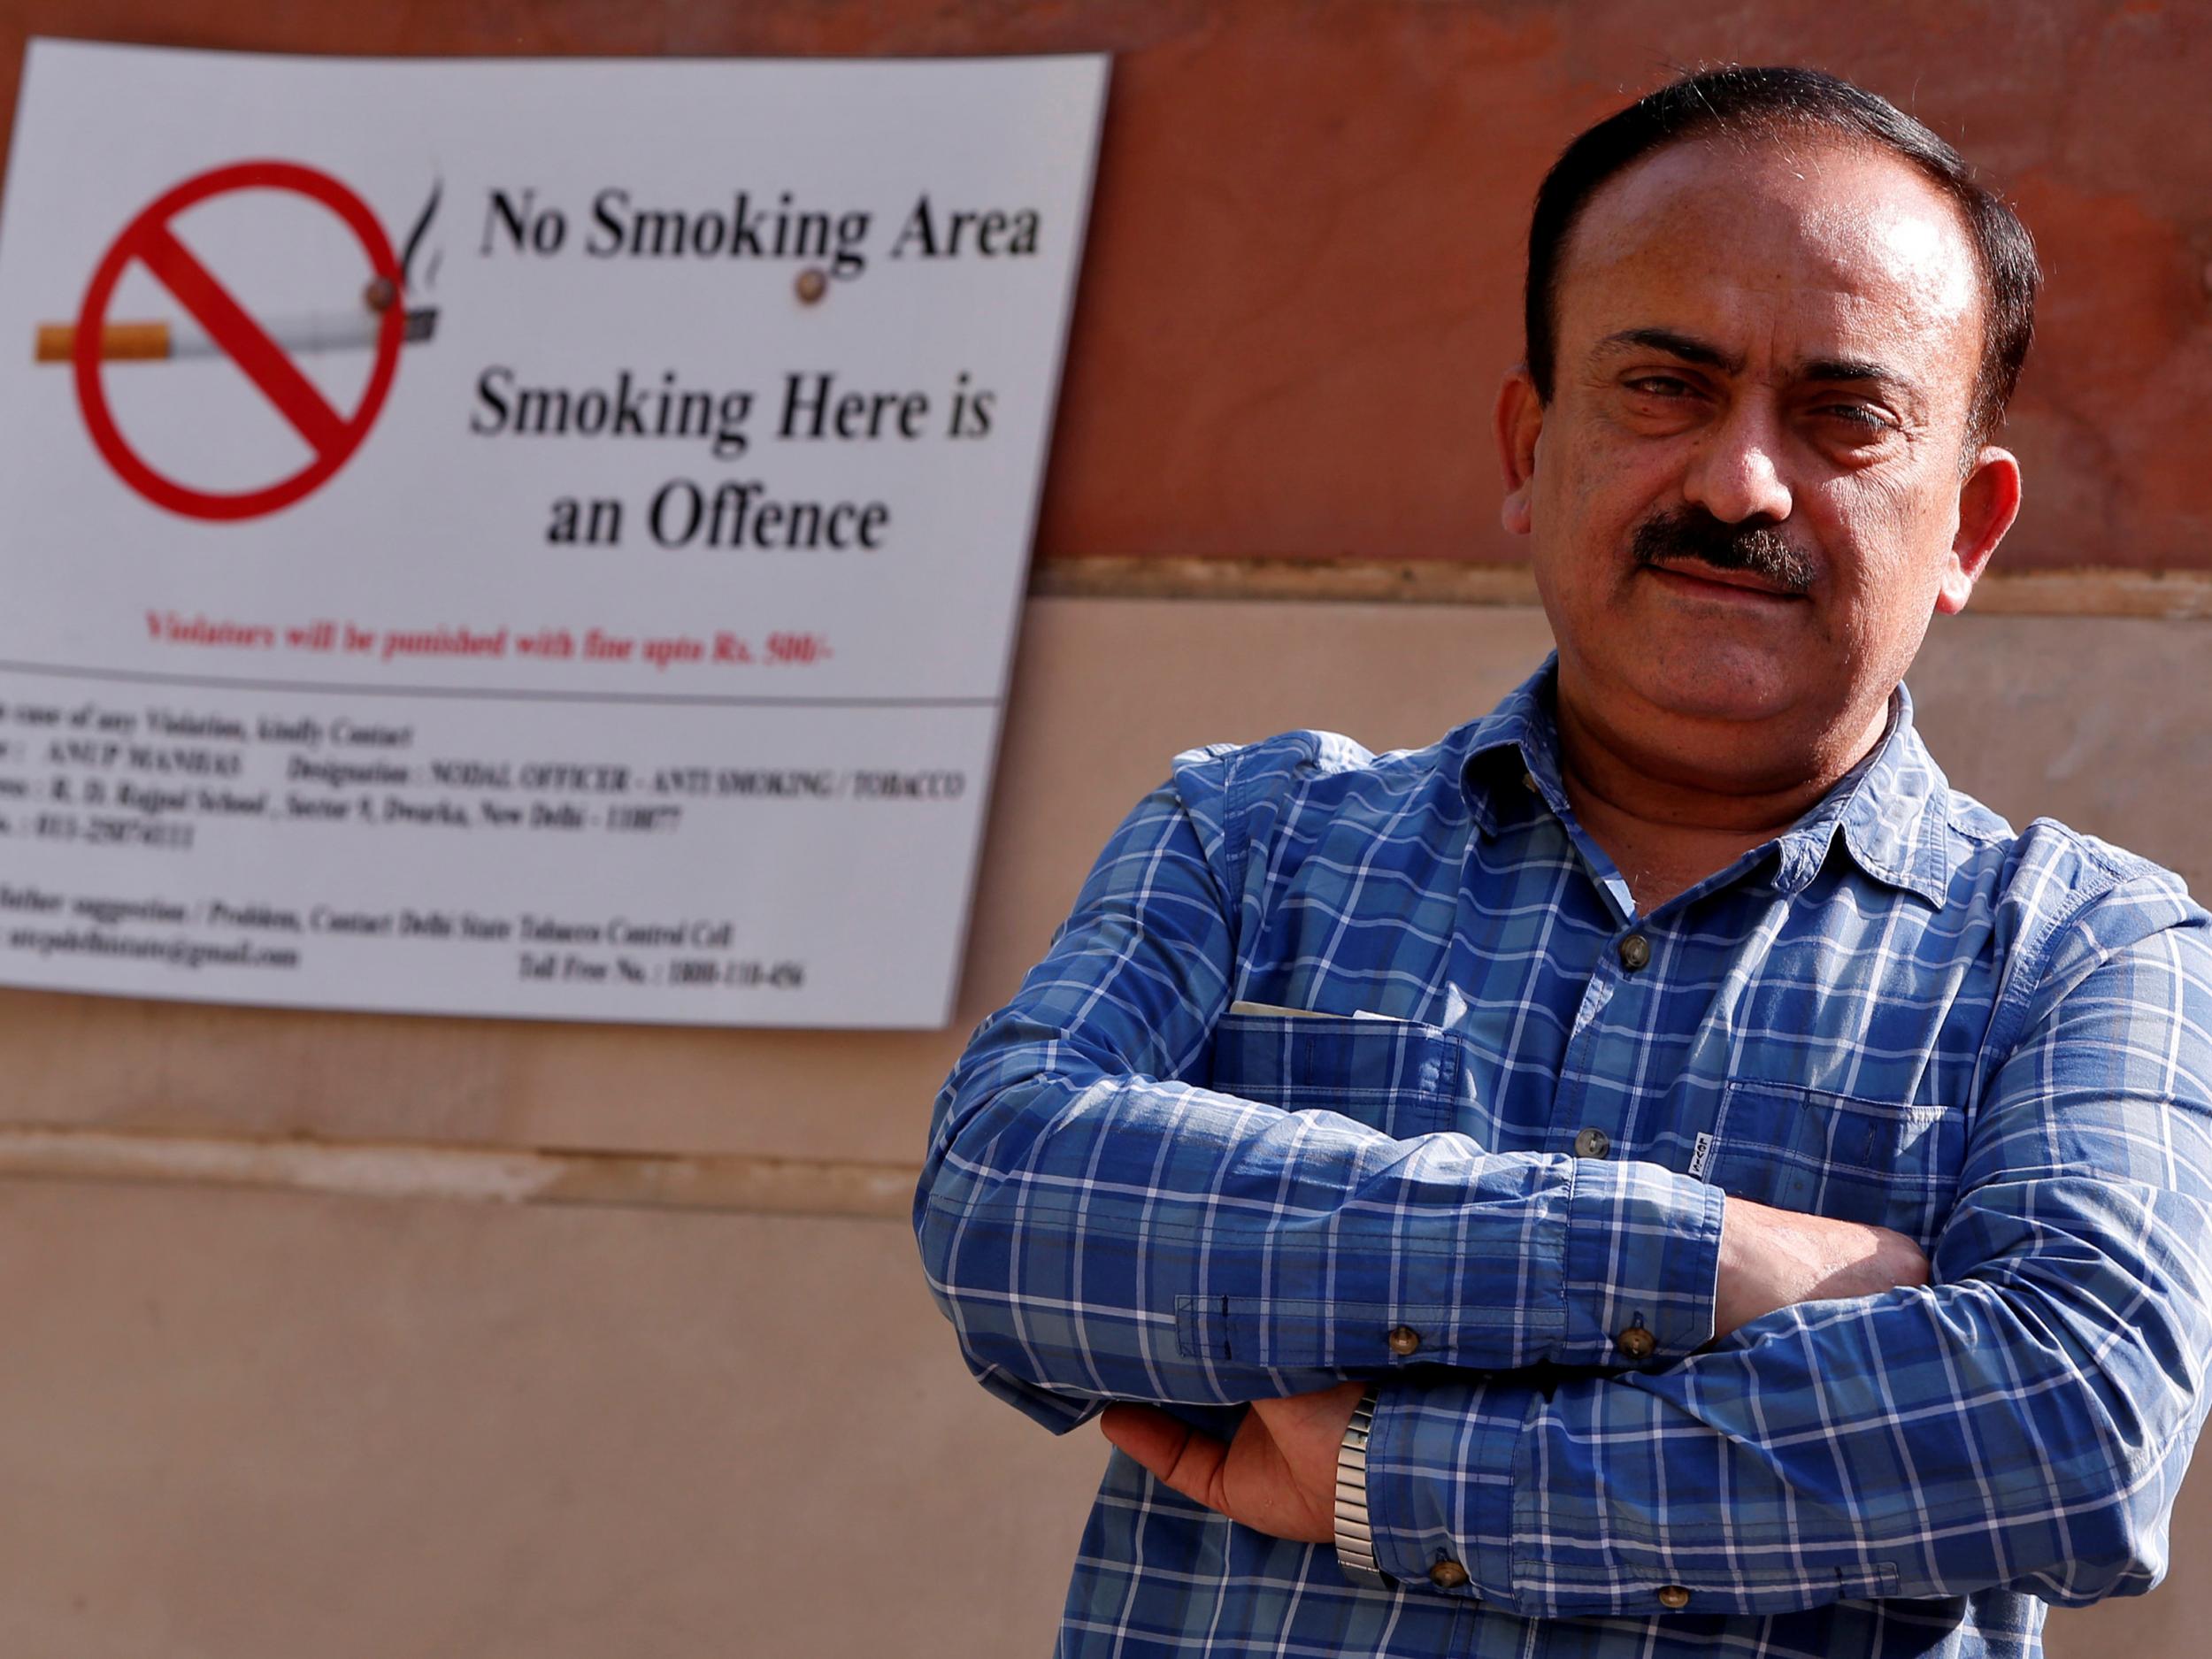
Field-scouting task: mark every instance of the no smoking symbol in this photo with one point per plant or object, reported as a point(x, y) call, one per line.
point(149, 240)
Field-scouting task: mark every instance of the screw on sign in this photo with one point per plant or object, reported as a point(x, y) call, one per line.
point(231, 330)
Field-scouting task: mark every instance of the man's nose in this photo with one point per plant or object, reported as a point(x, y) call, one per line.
point(1736, 474)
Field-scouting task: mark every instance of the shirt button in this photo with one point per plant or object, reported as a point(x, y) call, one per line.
point(1635, 951)
point(1674, 1598)
point(1637, 1342)
point(1528, 782)
point(1449, 1575)
point(1593, 1143)
point(1403, 1340)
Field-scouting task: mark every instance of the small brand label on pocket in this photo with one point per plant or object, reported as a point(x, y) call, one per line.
point(1701, 1154)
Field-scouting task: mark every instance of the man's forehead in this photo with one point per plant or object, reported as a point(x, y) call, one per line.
point(1833, 238)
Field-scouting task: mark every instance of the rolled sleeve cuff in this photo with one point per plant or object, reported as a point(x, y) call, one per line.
point(1642, 1261)
point(1441, 1485)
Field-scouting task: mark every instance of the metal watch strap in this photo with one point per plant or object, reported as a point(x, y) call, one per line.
point(1354, 1537)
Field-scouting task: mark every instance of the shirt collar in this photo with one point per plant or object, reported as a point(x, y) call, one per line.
point(1889, 811)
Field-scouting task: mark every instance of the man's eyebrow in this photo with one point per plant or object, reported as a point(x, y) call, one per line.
point(1687, 346)
point(1853, 369)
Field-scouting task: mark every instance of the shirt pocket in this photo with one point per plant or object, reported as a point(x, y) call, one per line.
point(1395, 1075)
point(1824, 1154)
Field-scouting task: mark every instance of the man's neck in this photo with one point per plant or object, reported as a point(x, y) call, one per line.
point(1668, 821)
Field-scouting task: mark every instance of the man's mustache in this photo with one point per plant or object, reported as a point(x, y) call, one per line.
point(1692, 533)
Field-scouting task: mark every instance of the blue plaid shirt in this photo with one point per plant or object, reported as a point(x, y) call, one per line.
point(1899, 1012)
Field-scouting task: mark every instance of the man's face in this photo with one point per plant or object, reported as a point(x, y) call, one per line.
point(1747, 494)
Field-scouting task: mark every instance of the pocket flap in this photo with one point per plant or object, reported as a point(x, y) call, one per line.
point(1395, 1075)
point(1824, 1154)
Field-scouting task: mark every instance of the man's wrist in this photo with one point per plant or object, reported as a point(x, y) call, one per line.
point(1355, 1534)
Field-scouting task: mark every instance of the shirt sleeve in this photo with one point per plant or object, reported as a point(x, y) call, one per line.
point(1098, 1228)
point(2021, 1423)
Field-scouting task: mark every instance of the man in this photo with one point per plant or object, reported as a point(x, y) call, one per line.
point(1667, 1174)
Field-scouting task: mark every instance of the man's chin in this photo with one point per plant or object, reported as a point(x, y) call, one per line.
point(1723, 686)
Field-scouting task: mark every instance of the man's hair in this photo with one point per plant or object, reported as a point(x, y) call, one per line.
point(1764, 104)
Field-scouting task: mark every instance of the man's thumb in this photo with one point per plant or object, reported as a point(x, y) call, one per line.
point(1169, 1451)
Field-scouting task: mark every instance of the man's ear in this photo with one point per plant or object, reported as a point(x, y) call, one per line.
point(1989, 500)
point(1520, 417)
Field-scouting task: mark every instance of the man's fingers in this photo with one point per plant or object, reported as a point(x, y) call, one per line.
point(1169, 1451)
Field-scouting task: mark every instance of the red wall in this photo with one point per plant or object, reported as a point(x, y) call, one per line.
point(1303, 272)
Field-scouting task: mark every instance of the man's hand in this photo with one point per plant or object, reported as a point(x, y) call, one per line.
point(1278, 1474)
point(1772, 1258)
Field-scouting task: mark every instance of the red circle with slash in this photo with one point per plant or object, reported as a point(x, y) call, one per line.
point(148, 239)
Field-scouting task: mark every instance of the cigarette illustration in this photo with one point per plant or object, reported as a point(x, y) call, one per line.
point(357, 329)
point(155, 342)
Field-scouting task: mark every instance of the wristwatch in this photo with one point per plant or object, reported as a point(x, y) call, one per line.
point(1354, 1538)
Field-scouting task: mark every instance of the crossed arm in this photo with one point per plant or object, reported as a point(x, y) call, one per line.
point(1100, 1232)
point(1278, 1470)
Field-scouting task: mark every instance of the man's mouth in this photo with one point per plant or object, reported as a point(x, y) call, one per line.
point(1747, 582)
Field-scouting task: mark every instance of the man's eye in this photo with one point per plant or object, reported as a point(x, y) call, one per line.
point(1857, 415)
point(1659, 385)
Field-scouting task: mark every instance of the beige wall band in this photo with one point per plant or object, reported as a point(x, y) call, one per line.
point(2179, 595)
point(727, 1183)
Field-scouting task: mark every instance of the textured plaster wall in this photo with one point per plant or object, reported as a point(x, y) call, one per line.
point(251, 1426)
point(256, 1425)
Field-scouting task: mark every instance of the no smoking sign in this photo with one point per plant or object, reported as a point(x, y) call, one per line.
point(263, 354)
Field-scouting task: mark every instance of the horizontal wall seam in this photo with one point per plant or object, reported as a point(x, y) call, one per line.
point(729, 1183)
point(2184, 596)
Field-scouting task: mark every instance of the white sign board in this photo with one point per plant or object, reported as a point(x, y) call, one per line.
point(519, 538)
